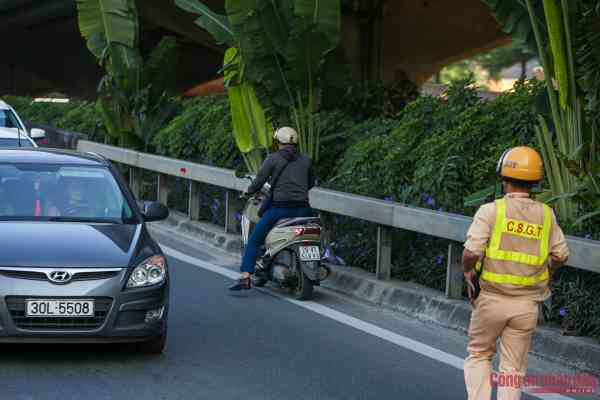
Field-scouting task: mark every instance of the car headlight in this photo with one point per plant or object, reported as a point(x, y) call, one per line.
point(151, 272)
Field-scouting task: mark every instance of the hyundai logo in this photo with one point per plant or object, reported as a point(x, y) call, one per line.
point(60, 277)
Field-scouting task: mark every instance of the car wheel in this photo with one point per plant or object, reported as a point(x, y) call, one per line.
point(154, 346)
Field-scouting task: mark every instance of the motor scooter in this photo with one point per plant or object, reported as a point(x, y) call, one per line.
point(291, 256)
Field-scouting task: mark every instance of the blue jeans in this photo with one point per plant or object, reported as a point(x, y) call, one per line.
point(262, 228)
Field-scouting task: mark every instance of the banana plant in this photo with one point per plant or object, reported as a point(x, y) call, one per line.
point(151, 107)
point(110, 28)
point(566, 139)
point(564, 136)
point(132, 94)
point(251, 128)
point(282, 45)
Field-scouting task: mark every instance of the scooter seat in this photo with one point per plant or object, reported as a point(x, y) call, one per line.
point(298, 221)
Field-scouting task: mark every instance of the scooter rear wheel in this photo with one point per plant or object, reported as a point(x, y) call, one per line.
point(259, 282)
point(304, 288)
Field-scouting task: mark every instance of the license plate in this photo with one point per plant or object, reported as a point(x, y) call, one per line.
point(310, 253)
point(59, 308)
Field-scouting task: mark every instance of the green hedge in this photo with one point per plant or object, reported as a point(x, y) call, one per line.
point(76, 115)
point(201, 133)
point(439, 150)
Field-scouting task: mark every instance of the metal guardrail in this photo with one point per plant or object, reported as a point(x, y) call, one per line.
point(585, 254)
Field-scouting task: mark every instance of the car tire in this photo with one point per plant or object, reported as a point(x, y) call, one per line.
point(154, 346)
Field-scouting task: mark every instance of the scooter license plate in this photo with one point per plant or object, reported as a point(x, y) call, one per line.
point(310, 253)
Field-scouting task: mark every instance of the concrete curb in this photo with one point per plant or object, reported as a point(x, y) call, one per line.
point(211, 234)
point(411, 299)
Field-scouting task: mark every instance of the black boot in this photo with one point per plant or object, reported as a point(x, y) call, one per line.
point(241, 284)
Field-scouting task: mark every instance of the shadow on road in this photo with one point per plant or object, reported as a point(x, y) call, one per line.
point(71, 352)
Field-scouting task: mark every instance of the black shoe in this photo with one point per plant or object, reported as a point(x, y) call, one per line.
point(241, 284)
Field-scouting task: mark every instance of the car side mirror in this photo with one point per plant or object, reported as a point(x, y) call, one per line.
point(37, 134)
point(154, 211)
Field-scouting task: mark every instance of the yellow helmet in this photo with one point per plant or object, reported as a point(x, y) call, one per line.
point(522, 163)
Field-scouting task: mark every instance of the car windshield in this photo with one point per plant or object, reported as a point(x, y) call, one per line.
point(8, 119)
point(15, 143)
point(45, 192)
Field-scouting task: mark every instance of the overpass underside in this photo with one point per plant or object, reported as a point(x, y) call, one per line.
point(44, 53)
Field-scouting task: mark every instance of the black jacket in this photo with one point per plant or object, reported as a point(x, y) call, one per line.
point(291, 189)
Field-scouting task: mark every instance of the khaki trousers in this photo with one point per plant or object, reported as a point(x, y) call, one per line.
point(511, 319)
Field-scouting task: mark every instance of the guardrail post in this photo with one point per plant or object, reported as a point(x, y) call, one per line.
point(326, 227)
point(454, 272)
point(162, 191)
point(135, 180)
point(233, 205)
point(383, 269)
point(194, 201)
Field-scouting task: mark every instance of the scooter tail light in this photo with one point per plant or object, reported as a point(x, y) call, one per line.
point(312, 231)
point(307, 231)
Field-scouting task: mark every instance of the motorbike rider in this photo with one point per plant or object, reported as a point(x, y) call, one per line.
point(294, 177)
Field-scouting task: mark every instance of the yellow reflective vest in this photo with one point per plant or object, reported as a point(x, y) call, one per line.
point(527, 231)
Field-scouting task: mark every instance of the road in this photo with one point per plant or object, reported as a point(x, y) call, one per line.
point(254, 345)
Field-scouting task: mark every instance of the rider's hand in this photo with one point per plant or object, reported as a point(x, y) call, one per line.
point(470, 277)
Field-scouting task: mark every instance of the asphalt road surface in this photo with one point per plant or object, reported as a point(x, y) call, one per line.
point(254, 345)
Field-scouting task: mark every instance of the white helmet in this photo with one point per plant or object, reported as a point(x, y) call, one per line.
point(286, 135)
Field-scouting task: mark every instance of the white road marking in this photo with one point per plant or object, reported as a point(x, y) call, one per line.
point(387, 335)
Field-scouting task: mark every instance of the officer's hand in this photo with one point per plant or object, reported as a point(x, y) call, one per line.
point(470, 278)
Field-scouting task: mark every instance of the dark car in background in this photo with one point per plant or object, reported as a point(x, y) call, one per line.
point(77, 263)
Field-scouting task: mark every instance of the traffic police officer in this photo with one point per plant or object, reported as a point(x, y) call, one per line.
point(513, 246)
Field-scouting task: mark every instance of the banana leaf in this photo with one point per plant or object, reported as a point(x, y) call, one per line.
point(513, 17)
point(160, 67)
point(251, 129)
point(314, 36)
point(106, 22)
point(481, 197)
point(587, 216)
point(324, 17)
point(556, 32)
point(216, 24)
point(262, 31)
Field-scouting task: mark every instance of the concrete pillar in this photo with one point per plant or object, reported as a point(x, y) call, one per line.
point(383, 269)
point(162, 191)
point(194, 201)
point(454, 272)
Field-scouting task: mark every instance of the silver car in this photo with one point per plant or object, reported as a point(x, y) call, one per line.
point(77, 262)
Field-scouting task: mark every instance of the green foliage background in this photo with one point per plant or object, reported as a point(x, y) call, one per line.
point(201, 133)
point(431, 153)
point(438, 150)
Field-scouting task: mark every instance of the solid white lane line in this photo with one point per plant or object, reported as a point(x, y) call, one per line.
point(387, 335)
